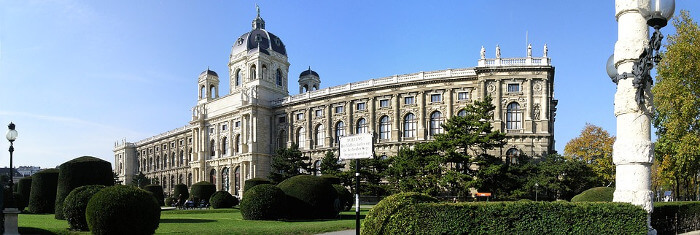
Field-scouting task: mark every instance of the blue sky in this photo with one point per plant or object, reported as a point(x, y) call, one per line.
point(76, 76)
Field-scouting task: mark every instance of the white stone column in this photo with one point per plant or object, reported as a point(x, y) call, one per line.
point(632, 151)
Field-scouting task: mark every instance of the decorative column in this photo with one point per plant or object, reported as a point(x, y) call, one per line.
point(632, 151)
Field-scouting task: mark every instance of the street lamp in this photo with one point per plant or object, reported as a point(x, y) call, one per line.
point(536, 185)
point(11, 136)
point(657, 13)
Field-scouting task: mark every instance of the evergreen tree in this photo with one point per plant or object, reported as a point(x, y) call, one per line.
point(330, 164)
point(140, 180)
point(289, 162)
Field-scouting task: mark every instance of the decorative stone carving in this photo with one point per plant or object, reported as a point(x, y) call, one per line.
point(536, 112)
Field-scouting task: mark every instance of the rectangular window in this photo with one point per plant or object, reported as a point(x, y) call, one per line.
point(383, 103)
point(409, 100)
point(182, 142)
point(361, 106)
point(211, 130)
point(514, 87)
point(238, 124)
point(463, 96)
point(436, 98)
point(189, 140)
point(319, 113)
point(338, 109)
point(223, 127)
point(172, 145)
point(300, 116)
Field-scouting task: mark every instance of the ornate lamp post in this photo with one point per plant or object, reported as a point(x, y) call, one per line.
point(10, 209)
point(634, 57)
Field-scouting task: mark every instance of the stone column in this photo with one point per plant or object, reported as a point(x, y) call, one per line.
point(632, 151)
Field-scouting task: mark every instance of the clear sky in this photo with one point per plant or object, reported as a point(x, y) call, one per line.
point(77, 75)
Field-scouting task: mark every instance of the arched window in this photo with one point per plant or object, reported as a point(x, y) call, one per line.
point(301, 137)
point(157, 165)
point(172, 181)
point(150, 164)
point(224, 145)
point(164, 182)
point(189, 179)
point(514, 116)
point(384, 128)
point(225, 185)
point(212, 176)
point(236, 180)
point(282, 139)
point(361, 126)
point(189, 158)
point(212, 91)
point(512, 156)
point(212, 148)
point(172, 160)
point(317, 168)
point(253, 74)
point(182, 157)
point(409, 125)
point(436, 121)
point(238, 77)
point(179, 179)
point(165, 161)
point(278, 77)
point(462, 113)
point(339, 131)
point(202, 92)
point(264, 72)
point(320, 135)
point(237, 144)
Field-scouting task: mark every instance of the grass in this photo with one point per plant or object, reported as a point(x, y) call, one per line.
point(211, 221)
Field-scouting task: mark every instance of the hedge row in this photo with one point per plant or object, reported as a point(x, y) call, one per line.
point(509, 218)
point(675, 217)
point(85, 170)
point(42, 198)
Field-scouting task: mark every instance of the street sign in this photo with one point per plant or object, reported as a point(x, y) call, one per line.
point(358, 146)
point(483, 194)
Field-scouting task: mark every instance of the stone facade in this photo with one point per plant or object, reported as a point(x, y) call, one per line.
point(233, 137)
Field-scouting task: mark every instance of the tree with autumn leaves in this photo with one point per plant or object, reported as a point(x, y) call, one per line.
point(677, 114)
point(594, 146)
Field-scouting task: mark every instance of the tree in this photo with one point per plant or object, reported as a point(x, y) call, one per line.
point(594, 147)
point(559, 178)
point(677, 112)
point(140, 180)
point(372, 171)
point(412, 170)
point(288, 162)
point(330, 164)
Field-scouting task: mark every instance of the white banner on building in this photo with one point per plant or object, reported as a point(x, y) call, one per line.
point(357, 146)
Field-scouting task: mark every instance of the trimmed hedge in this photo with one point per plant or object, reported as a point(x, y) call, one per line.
point(42, 197)
point(75, 204)
point(157, 192)
point(24, 188)
point(598, 194)
point(250, 183)
point(675, 217)
point(513, 218)
point(122, 209)
point(85, 170)
point(180, 189)
point(380, 213)
point(332, 179)
point(222, 199)
point(345, 197)
point(202, 190)
point(263, 202)
point(310, 197)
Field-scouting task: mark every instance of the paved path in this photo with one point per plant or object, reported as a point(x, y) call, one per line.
point(344, 232)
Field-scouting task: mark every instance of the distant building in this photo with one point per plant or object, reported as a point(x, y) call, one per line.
point(28, 170)
point(232, 138)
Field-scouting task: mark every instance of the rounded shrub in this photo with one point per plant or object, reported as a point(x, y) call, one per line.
point(310, 197)
point(250, 183)
point(332, 179)
point(178, 190)
point(263, 202)
point(24, 188)
point(42, 197)
point(598, 194)
point(122, 209)
point(75, 204)
point(222, 199)
point(78, 172)
point(374, 221)
point(344, 196)
point(202, 190)
point(157, 192)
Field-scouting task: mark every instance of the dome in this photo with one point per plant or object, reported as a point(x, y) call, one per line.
point(208, 72)
point(260, 39)
point(307, 72)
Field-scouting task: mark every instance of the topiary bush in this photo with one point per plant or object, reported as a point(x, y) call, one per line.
point(122, 209)
point(78, 172)
point(310, 197)
point(24, 188)
point(263, 202)
point(345, 197)
point(42, 197)
point(222, 199)
point(75, 204)
point(598, 194)
point(7, 193)
point(332, 179)
point(157, 192)
point(202, 190)
point(180, 193)
point(250, 183)
point(376, 217)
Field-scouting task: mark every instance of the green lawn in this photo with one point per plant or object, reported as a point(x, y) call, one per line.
point(219, 221)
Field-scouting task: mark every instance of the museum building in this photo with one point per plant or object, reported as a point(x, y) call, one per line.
point(232, 138)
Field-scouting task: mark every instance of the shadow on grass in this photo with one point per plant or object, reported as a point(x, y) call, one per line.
point(340, 217)
point(27, 230)
point(191, 221)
